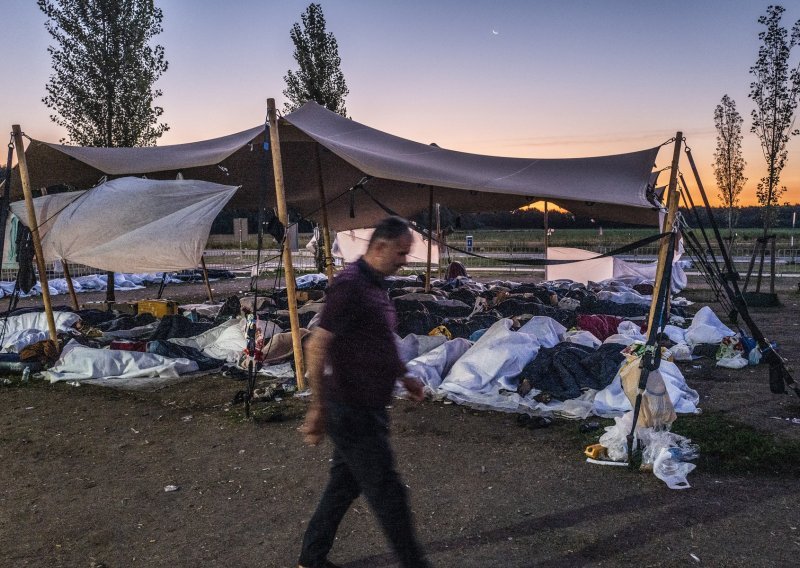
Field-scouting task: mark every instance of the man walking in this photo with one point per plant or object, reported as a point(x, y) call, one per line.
point(355, 337)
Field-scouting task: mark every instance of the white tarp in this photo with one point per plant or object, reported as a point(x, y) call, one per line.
point(608, 268)
point(594, 270)
point(612, 400)
point(79, 363)
point(31, 327)
point(130, 224)
point(498, 357)
point(225, 342)
point(350, 245)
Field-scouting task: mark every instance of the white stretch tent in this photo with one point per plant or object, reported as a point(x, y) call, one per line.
point(129, 224)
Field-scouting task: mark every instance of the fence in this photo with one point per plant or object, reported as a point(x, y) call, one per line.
point(243, 261)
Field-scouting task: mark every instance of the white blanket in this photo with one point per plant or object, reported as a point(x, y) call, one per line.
point(226, 341)
point(79, 363)
point(27, 329)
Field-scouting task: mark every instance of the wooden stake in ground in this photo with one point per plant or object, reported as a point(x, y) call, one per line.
point(70, 287)
point(34, 227)
point(430, 240)
point(326, 232)
point(546, 239)
point(283, 216)
point(205, 279)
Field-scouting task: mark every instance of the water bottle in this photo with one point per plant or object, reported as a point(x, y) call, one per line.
point(26, 374)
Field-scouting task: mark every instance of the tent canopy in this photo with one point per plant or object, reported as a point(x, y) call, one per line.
point(577, 184)
point(149, 159)
point(321, 147)
point(129, 224)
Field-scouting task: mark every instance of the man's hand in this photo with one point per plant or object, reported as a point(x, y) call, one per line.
point(313, 428)
point(414, 387)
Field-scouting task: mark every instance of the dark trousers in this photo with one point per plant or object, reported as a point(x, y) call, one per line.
point(362, 461)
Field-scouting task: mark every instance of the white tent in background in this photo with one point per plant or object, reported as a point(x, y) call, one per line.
point(350, 245)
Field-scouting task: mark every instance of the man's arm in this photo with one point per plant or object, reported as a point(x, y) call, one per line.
point(313, 429)
point(415, 388)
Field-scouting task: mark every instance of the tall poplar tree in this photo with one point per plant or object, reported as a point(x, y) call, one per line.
point(774, 91)
point(319, 77)
point(104, 69)
point(728, 161)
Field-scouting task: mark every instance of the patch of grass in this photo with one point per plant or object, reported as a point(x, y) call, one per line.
point(728, 446)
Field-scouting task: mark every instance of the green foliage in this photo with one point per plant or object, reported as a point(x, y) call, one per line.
point(728, 446)
point(728, 161)
point(104, 68)
point(319, 78)
point(774, 92)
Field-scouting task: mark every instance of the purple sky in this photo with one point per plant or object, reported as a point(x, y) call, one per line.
point(563, 78)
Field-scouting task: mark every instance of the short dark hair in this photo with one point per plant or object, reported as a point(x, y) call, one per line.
point(390, 229)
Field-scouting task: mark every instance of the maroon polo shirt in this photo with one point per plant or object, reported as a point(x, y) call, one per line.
point(363, 353)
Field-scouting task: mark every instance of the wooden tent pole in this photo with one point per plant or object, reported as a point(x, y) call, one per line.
point(283, 215)
point(669, 221)
point(430, 240)
point(205, 279)
point(439, 239)
point(37, 243)
point(70, 287)
point(326, 232)
point(546, 238)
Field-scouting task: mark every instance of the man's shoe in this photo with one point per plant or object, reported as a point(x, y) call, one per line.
point(328, 564)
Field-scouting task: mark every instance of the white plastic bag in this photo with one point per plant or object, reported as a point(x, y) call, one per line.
point(681, 352)
point(735, 362)
point(582, 337)
point(615, 439)
point(671, 470)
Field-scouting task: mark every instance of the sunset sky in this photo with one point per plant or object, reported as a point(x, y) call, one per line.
point(534, 78)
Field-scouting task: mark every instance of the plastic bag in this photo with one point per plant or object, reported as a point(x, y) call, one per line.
point(671, 470)
point(630, 329)
point(681, 352)
point(735, 362)
point(582, 338)
point(657, 409)
point(615, 439)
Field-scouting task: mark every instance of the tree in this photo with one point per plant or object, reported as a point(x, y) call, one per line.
point(104, 69)
point(728, 161)
point(774, 91)
point(319, 77)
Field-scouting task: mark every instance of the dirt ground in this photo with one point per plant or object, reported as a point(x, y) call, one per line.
point(84, 471)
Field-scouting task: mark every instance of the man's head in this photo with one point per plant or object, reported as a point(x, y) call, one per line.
point(389, 245)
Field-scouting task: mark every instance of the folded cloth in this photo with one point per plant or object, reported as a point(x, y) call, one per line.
point(601, 326)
